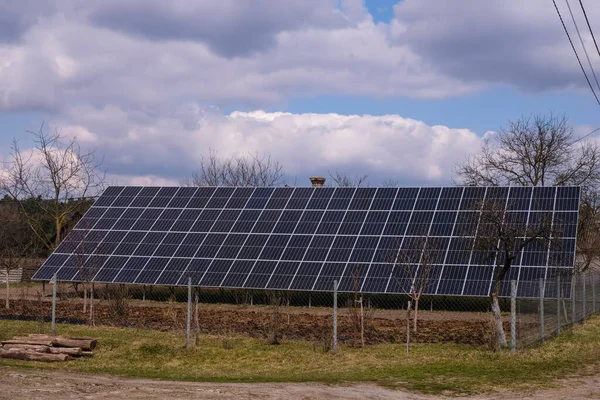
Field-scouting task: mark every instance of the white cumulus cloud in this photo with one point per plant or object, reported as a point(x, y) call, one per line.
point(137, 79)
point(385, 147)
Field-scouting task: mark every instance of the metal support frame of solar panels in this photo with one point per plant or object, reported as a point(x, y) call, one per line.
point(304, 238)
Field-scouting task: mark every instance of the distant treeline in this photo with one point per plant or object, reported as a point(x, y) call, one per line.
point(28, 224)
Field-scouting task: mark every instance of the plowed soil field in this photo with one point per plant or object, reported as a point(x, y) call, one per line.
point(301, 323)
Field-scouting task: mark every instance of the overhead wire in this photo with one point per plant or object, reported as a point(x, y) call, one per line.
point(575, 51)
point(587, 135)
point(582, 44)
point(589, 26)
point(587, 21)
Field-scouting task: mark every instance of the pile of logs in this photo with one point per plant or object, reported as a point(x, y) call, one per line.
point(46, 348)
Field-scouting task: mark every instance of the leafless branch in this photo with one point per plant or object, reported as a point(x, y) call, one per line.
point(341, 179)
point(413, 267)
point(533, 151)
point(503, 234)
point(252, 170)
point(588, 233)
point(542, 150)
point(391, 183)
point(58, 175)
point(16, 242)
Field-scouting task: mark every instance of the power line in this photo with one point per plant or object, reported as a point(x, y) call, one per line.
point(575, 51)
point(587, 135)
point(586, 53)
point(582, 44)
point(589, 26)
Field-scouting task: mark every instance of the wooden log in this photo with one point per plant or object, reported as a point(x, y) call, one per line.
point(84, 343)
point(32, 355)
point(45, 336)
point(45, 349)
point(87, 353)
point(65, 341)
point(34, 347)
point(35, 342)
point(72, 351)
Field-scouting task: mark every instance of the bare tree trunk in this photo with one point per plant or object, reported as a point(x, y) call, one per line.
point(196, 319)
point(355, 319)
point(7, 290)
point(276, 321)
point(362, 323)
point(40, 313)
point(84, 298)
point(276, 301)
point(92, 322)
point(58, 229)
point(498, 321)
point(408, 328)
point(416, 314)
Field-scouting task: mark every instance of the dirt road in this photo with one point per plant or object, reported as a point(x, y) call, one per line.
point(26, 384)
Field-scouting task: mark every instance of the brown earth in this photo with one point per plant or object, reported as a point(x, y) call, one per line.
point(33, 384)
point(303, 323)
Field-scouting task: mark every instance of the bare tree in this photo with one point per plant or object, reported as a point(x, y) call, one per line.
point(588, 233)
point(540, 150)
point(413, 267)
point(356, 309)
point(252, 170)
point(360, 315)
point(390, 183)
point(341, 179)
point(16, 241)
point(118, 297)
point(88, 265)
point(58, 176)
point(501, 237)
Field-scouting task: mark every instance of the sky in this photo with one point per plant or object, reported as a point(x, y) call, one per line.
point(399, 90)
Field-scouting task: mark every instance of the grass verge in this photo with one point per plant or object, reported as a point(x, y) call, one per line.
point(430, 368)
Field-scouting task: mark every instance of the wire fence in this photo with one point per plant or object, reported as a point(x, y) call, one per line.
point(360, 319)
point(560, 304)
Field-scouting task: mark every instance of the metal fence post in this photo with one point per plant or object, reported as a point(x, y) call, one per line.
point(513, 317)
point(335, 287)
point(542, 309)
point(594, 294)
point(583, 306)
point(54, 284)
point(558, 296)
point(189, 314)
point(573, 305)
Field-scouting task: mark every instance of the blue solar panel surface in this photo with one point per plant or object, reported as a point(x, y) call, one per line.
point(305, 238)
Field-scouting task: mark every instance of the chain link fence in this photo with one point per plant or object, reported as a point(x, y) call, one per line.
point(560, 303)
point(361, 319)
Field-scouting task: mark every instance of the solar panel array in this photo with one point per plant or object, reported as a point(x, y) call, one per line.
point(304, 238)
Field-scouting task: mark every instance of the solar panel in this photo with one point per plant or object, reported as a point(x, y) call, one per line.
point(305, 238)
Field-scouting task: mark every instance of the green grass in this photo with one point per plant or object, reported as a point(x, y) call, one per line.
point(430, 368)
